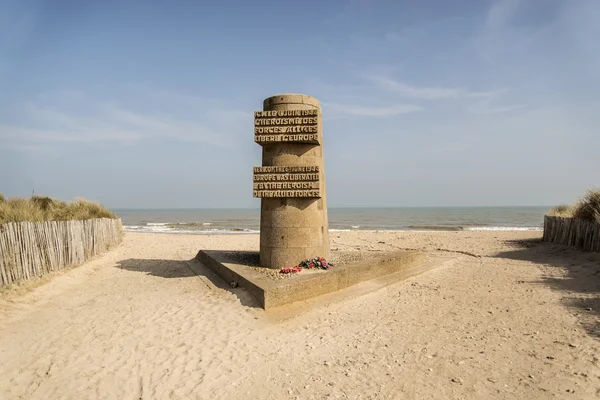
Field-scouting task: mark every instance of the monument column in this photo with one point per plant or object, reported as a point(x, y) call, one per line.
point(291, 181)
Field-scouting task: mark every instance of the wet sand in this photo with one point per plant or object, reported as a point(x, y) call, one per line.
point(509, 318)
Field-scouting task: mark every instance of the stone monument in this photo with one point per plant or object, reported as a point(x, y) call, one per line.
point(293, 215)
point(291, 181)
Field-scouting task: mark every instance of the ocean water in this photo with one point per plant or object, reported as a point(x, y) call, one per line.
point(240, 221)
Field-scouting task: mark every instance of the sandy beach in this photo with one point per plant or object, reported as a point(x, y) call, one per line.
point(509, 318)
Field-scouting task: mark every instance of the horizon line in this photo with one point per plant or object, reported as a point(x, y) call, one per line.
point(332, 207)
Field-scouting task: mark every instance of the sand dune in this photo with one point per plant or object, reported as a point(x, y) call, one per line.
point(510, 318)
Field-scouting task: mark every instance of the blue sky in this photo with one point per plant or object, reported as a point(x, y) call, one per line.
point(425, 103)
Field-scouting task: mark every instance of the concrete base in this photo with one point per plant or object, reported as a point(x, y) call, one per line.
point(272, 293)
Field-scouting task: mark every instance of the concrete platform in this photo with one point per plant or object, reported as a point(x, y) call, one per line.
point(305, 285)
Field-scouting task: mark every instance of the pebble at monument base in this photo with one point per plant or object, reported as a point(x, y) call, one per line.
point(291, 181)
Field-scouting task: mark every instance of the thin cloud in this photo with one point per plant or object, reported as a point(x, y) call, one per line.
point(486, 105)
point(16, 134)
point(484, 108)
point(94, 121)
point(500, 13)
point(426, 92)
point(136, 120)
point(483, 105)
point(500, 41)
point(361, 111)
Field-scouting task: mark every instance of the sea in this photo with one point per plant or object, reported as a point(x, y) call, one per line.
point(246, 221)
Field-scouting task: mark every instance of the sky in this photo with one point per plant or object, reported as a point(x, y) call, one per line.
point(149, 104)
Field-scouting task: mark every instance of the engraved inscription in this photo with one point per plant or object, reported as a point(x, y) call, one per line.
point(285, 121)
point(286, 113)
point(275, 170)
point(286, 185)
point(285, 177)
point(311, 138)
point(286, 129)
point(296, 181)
point(287, 193)
point(296, 126)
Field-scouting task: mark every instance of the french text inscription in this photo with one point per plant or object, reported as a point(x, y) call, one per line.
point(297, 181)
point(295, 126)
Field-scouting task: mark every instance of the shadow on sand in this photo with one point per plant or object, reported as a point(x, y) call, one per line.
point(192, 269)
point(581, 283)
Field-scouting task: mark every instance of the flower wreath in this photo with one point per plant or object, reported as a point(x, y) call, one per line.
point(310, 263)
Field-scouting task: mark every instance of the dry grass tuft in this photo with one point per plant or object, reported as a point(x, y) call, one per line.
point(563, 210)
point(588, 208)
point(42, 208)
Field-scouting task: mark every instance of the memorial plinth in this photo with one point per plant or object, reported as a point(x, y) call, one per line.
point(291, 181)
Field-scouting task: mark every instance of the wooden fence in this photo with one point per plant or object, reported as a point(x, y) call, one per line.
point(30, 249)
point(583, 234)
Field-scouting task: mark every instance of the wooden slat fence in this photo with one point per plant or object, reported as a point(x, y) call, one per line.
point(30, 249)
point(580, 233)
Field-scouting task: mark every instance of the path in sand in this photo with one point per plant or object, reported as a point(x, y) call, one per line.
point(519, 321)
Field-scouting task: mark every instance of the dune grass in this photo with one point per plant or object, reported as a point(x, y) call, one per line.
point(42, 208)
point(563, 210)
point(588, 208)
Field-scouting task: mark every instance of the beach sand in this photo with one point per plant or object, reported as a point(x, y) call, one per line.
point(509, 318)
